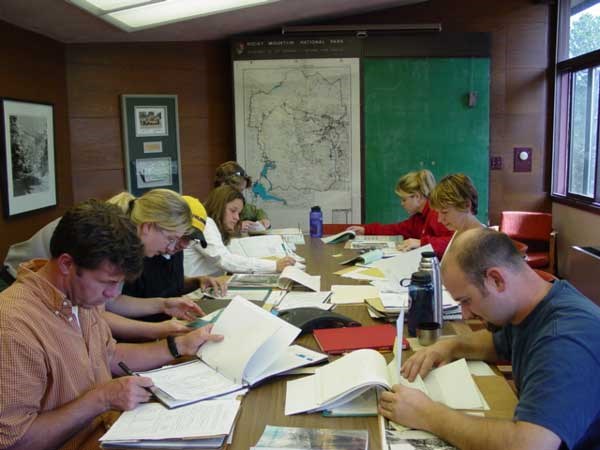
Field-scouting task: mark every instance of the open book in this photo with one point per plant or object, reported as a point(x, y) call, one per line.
point(350, 376)
point(256, 346)
point(365, 258)
point(202, 425)
point(288, 276)
point(340, 237)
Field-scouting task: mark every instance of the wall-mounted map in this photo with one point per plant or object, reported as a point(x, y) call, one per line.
point(298, 136)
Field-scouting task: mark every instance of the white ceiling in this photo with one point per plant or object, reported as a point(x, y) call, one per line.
point(67, 23)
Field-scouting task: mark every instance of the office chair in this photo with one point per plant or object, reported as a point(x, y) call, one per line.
point(534, 229)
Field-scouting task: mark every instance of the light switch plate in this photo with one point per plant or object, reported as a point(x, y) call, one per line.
point(522, 159)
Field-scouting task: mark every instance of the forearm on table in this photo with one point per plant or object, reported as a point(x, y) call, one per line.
point(128, 306)
point(129, 329)
point(478, 345)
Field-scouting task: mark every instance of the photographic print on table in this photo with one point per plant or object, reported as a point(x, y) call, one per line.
point(151, 121)
point(29, 171)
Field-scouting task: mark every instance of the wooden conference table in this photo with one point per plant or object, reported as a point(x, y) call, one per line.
point(264, 405)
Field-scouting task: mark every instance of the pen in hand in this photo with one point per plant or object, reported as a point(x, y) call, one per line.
point(130, 372)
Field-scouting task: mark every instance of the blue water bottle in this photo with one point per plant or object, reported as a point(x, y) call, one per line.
point(316, 222)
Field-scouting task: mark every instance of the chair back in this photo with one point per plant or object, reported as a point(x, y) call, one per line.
point(524, 225)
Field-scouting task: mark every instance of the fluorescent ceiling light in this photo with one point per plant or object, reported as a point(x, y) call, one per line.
point(133, 15)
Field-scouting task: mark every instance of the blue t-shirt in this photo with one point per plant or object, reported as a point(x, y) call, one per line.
point(555, 354)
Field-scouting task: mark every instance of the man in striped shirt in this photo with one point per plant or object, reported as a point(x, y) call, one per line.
point(57, 355)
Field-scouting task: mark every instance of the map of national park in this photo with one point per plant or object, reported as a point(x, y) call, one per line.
point(297, 134)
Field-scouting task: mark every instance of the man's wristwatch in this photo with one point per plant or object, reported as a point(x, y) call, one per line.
point(173, 346)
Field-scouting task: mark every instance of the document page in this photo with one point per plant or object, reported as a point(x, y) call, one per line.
point(191, 381)
point(403, 265)
point(342, 293)
point(246, 329)
point(453, 385)
point(299, 299)
point(258, 246)
point(352, 371)
point(313, 282)
point(151, 421)
point(293, 357)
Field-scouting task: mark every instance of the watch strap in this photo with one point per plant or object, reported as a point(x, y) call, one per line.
point(173, 346)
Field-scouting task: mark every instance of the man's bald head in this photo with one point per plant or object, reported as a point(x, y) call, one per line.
point(476, 250)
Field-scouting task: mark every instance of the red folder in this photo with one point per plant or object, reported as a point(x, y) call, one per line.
point(340, 340)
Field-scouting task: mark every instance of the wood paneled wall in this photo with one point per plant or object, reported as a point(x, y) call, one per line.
point(88, 127)
point(198, 73)
point(520, 85)
point(33, 69)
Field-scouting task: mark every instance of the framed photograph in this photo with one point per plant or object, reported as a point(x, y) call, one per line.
point(153, 172)
point(151, 142)
point(28, 164)
point(151, 121)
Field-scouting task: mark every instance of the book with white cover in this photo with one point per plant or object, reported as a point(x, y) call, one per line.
point(350, 376)
point(339, 237)
point(149, 425)
point(256, 345)
point(288, 276)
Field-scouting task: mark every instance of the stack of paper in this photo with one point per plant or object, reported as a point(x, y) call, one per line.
point(289, 276)
point(451, 308)
point(150, 425)
point(291, 236)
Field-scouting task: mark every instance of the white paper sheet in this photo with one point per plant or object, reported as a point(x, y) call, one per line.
point(252, 336)
point(352, 293)
point(151, 421)
point(294, 274)
point(190, 381)
point(300, 299)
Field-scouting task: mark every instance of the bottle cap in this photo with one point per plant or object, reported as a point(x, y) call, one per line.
point(420, 277)
point(316, 208)
point(428, 254)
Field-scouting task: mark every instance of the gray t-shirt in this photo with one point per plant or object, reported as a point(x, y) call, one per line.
point(555, 353)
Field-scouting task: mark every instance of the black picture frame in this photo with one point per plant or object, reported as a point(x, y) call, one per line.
point(28, 156)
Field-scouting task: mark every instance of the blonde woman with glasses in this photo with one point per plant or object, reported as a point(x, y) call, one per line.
point(166, 225)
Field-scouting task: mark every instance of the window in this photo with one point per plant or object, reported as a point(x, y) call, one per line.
point(576, 172)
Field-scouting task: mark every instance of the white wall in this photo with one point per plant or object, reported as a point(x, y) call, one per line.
point(574, 227)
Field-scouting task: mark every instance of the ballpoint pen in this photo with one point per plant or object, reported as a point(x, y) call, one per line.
point(130, 372)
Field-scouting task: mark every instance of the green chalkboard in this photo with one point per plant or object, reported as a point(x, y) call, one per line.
point(417, 115)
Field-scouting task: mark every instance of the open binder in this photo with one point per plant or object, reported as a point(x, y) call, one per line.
point(256, 346)
point(345, 379)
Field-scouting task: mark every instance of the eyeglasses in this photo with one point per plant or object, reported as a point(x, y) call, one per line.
point(171, 241)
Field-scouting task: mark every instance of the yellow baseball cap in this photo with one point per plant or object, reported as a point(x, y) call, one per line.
point(198, 219)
